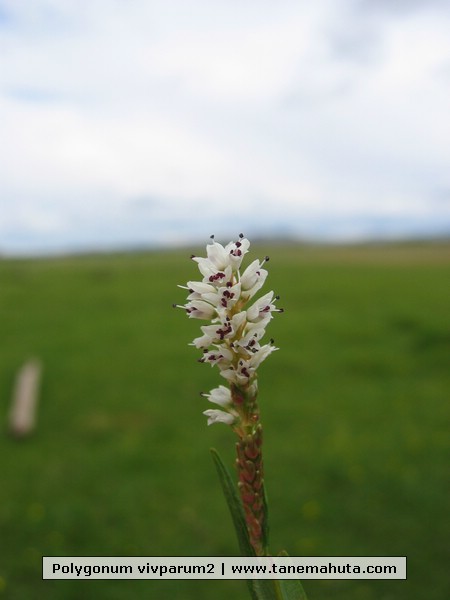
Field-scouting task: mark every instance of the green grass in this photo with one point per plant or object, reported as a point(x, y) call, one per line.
point(355, 408)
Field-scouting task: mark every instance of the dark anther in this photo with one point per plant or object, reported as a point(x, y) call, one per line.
point(174, 305)
point(192, 256)
point(211, 236)
point(272, 341)
point(267, 258)
point(277, 297)
point(241, 235)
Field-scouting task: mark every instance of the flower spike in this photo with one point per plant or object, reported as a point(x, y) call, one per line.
point(232, 342)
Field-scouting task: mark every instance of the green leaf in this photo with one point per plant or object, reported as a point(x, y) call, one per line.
point(234, 504)
point(260, 589)
point(265, 589)
point(265, 523)
point(290, 589)
point(237, 513)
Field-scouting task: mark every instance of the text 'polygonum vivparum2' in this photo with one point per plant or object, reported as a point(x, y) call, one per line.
point(233, 341)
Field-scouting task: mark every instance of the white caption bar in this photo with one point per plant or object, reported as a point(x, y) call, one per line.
point(231, 567)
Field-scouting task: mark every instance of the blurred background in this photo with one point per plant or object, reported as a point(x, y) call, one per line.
point(130, 132)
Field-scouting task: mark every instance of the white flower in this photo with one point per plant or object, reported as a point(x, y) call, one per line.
point(220, 395)
point(197, 289)
point(232, 339)
point(198, 309)
point(261, 355)
point(220, 261)
point(219, 416)
point(225, 297)
point(203, 341)
point(221, 357)
point(218, 256)
point(223, 330)
point(253, 278)
point(250, 341)
point(262, 309)
point(211, 274)
point(237, 250)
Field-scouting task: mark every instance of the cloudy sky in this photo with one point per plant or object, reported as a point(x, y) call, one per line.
point(127, 123)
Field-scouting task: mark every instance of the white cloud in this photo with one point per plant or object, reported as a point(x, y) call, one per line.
point(166, 116)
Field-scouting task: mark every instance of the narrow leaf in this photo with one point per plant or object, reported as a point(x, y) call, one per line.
point(265, 523)
point(237, 513)
point(291, 589)
point(234, 504)
point(260, 589)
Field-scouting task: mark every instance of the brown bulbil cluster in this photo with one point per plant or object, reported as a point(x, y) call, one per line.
point(251, 486)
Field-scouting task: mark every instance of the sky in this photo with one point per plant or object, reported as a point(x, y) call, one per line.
point(138, 123)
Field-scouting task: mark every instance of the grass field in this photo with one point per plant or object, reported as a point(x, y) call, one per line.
point(355, 408)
